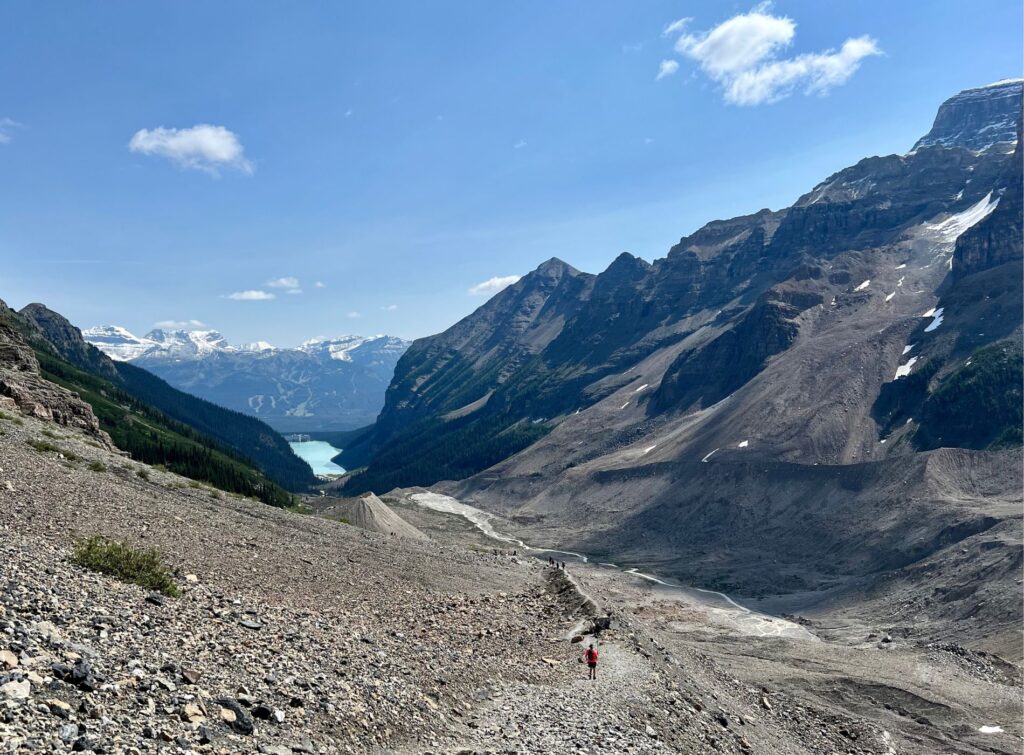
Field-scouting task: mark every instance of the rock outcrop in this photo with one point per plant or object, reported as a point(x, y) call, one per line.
point(977, 118)
point(24, 389)
point(999, 238)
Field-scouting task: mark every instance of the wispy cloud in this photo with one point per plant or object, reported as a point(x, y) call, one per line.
point(251, 296)
point(676, 26)
point(179, 324)
point(492, 285)
point(666, 68)
point(519, 144)
point(390, 307)
point(354, 315)
point(203, 147)
point(6, 126)
point(319, 284)
point(742, 55)
point(288, 282)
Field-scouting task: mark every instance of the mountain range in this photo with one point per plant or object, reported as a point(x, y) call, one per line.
point(324, 384)
point(140, 414)
point(801, 398)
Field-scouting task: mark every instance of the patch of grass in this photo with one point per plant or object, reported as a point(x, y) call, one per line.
point(97, 466)
point(44, 446)
point(215, 494)
point(142, 567)
point(11, 418)
point(50, 433)
point(143, 473)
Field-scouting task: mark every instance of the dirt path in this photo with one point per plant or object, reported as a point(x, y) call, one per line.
point(579, 715)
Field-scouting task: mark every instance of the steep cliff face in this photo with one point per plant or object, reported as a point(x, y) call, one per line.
point(977, 118)
point(68, 341)
point(706, 375)
point(23, 388)
point(999, 238)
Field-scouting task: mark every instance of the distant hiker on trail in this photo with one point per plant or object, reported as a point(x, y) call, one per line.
point(590, 656)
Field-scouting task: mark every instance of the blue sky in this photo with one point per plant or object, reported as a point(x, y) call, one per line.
point(403, 153)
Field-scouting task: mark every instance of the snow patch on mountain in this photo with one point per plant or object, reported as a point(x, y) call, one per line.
point(950, 229)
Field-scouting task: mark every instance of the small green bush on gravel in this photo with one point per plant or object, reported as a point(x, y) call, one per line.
point(44, 446)
point(128, 564)
point(97, 466)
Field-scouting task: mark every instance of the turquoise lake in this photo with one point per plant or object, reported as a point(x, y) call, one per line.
point(318, 455)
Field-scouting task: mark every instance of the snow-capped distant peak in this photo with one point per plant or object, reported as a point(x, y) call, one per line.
point(181, 343)
point(256, 346)
point(178, 345)
point(116, 342)
point(363, 349)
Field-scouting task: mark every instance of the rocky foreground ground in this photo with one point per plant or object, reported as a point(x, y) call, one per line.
point(295, 633)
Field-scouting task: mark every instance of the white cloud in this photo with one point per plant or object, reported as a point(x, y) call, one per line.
point(817, 72)
point(286, 282)
point(319, 284)
point(354, 315)
point(251, 296)
point(390, 307)
point(519, 144)
point(742, 54)
point(6, 126)
point(179, 324)
point(202, 147)
point(492, 285)
point(349, 112)
point(666, 68)
point(676, 26)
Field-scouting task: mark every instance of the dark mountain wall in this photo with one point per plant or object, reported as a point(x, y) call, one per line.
point(726, 303)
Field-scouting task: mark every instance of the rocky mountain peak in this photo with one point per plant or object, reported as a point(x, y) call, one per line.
point(68, 340)
point(555, 268)
point(977, 119)
point(23, 389)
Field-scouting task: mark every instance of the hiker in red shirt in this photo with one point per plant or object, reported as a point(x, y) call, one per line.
point(590, 656)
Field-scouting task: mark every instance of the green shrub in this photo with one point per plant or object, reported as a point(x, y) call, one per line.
point(50, 433)
point(97, 466)
point(11, 418)
point(128, 564)
point(143, 473)
point(44, 446)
